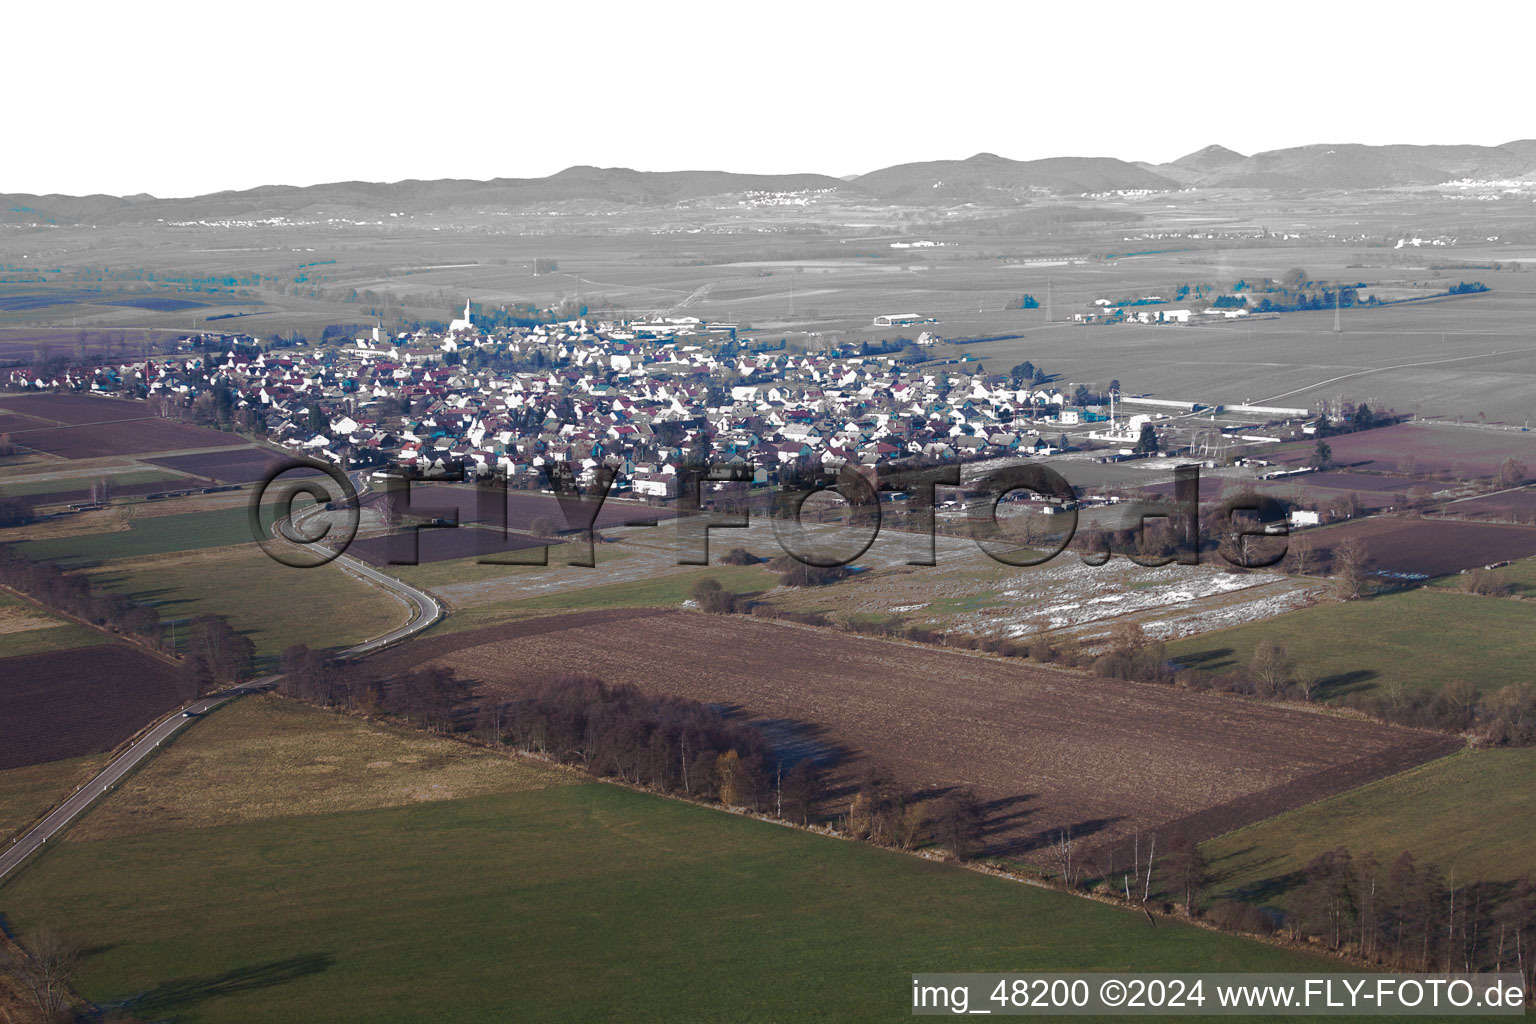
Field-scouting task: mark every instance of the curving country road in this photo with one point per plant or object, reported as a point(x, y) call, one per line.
point(424, 608)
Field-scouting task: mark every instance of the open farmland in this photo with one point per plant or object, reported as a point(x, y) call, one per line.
point(522, 508)
point(441, 545)
point(1518, 579)
point(1447, 357)
point(233, 465)
point(1414, 550)
point(234, 903)
point(28, 628)
point(1472, 813)
point(1048, 749)
point(310, 762)
point(149, 535)
point(1419, 639)
point(74, 410)
point(1517, 506)
point(82, 427)
point(1435, 447)
point(28, 792)
point(79, 489)
point(76, 702)
point(273, 604)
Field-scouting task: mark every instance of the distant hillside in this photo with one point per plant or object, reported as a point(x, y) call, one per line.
point(1351, 166)
point(361, 199)
point(985, 179)
point(988, 178)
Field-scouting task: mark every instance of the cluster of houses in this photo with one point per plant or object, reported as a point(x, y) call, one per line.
point(646, 397)
point(1106, 311)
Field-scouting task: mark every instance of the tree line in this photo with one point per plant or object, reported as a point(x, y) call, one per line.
point(215, 653)
point(663, 743)
point(76, 594)
point(1412, 915)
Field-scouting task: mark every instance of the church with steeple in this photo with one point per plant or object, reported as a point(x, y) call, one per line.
point(464, 324)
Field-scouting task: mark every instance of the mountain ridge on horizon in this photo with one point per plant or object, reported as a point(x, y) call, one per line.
point(984, 178)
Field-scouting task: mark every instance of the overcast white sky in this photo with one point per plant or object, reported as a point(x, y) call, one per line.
point(184, 98)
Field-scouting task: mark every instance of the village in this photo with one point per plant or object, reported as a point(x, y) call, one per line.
point(645, 397)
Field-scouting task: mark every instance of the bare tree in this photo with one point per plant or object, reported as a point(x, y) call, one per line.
point(1190, 871)
point(1270, 668)
point(1351, 569)
point(44, 967)
point(1303, 557)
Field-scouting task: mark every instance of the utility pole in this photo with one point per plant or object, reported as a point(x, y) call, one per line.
point(1338, 299)
point(1048, 315)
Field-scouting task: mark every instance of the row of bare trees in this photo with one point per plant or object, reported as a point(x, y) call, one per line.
point(1411, 914)
point(75, 594)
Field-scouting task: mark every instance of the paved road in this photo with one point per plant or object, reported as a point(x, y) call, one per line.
point(425, 610)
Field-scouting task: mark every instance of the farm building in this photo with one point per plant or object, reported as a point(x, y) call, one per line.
point(899, 319)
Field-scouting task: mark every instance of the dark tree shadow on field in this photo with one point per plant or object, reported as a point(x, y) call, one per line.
point(185, 993)
point(1209, 661)
point(1078, 831)
point(791, 739)
point(1344, 683)
point(1266, 891)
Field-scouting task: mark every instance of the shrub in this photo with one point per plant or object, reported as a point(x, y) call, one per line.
point(1232, 916)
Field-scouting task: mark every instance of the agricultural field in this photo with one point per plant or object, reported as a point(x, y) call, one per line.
point(1435, 447)
point(500, 903)
point(1518, 579)
point(1312, 490)
point(1415, 550)
point(148, 534)
point(1517, 506)
point(523, 507)
point(966, 591)
point(84, 701)
point(1417, 639)
point(1063, 597)
point(309, 762)
point(434, 545)
point(26, 793)
point(1449, 357)
point(466, 543)
point(1049, 749)
point(1473, 812)
point(52, 490)
point(82, 427)
point(27, 628)
point(273, 604)
point(232, 465)
point(24, 346)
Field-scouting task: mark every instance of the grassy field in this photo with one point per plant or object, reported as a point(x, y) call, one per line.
point(567, 903)
point(1473, 812)
point(275, 605)
point(26, 487)
point(28, 629)
point(471, 570)
point(309, 762)
point(664, 591)
point(1422, 637)
point(149, 535)
point(1519, 577)
point(25, 793)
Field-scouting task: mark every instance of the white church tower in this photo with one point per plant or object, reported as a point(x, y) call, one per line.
point(461, 325)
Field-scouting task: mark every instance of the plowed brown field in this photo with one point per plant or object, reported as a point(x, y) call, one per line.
point(1047, 749)
point(70, 703)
